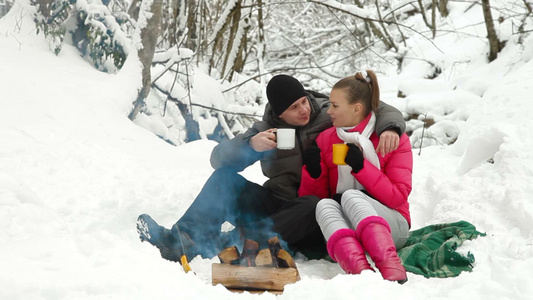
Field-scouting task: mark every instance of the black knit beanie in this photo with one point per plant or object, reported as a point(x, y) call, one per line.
point(282, 91)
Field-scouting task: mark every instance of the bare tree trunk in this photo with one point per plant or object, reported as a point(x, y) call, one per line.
point(133, 10)
point(218, 45)
point(443, 8)
point(180, 22)
point(170, 25)
point(203, 32)
point(149, 36)
point(238, 65)
point(434, 18)
point(393, 16)
point(236, 19)
point(261, 46)
point(526, 16)
point(375, 30)
point(386, 34)
point(494, 43)
point(243, 49)
point(261, 25)
point(528, 7)
point(423, 13)
point(192, 19)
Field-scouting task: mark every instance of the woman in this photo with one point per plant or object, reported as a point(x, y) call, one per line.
point(371, 212)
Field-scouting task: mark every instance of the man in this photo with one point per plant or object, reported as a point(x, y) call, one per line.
point(260, 212)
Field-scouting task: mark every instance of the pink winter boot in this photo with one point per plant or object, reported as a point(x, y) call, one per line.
point(374, 233)
point(345, 249)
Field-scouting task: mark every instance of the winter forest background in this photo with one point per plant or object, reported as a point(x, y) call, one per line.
point(110, 109)
point(240, 44)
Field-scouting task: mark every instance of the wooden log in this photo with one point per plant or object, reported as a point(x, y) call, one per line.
point(253, 278)
point(256, 291)
point(249, 252)
point(285, 260)
point(274, 245)
point(229, 255)
point(264, 258)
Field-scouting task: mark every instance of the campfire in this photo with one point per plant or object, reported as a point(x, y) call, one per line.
point(255, 269)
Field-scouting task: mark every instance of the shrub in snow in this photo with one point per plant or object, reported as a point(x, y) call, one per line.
point(95, 30)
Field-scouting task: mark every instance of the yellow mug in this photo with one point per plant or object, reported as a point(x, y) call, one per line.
point(339, 153)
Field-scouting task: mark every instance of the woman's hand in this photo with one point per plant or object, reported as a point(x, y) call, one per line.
point(264, 141)
point(354, 158)
point(311, 159)
point(388, 142)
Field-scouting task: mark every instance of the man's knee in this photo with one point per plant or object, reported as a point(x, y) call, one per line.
point(225, 172)
point(302, 204)
point(226, 176)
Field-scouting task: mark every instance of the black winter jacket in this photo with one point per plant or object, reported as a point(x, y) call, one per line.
point(283, 167)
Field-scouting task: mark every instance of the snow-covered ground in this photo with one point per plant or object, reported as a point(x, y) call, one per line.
point(75, 173)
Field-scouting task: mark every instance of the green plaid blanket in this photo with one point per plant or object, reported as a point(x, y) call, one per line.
point(431, 250)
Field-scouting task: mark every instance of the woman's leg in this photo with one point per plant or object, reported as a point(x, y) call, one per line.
point(357, 206)
point(342, 244)
point(373, 230)
point(330, 217)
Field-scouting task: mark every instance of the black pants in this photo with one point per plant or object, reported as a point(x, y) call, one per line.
point(255, 212)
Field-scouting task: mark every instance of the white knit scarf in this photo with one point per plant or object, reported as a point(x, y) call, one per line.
point(346, 180)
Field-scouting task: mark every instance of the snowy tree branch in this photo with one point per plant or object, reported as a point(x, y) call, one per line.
point(176, 100)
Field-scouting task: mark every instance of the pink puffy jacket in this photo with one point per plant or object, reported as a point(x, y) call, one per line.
point(391, 185)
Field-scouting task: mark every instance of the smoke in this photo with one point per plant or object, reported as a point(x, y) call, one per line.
point(208, 241)
point(227, 197)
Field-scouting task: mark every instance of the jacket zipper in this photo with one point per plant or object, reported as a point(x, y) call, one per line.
point(300, 143)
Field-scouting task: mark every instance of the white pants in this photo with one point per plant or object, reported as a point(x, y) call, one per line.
point(356, 206)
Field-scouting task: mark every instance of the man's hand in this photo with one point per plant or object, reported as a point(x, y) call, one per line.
point(388, 142)
point(264, 141)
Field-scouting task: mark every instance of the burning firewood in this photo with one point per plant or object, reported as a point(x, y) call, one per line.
point(282, 258)
point(285, 260)
point(266, 269)
point(249, 252)
point(229, 255)
point(274, 245)
point(264, 258)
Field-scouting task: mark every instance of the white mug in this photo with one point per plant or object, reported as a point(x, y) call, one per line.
point(285, 138)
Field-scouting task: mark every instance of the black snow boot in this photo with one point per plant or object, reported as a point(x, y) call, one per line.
point(168, 242)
